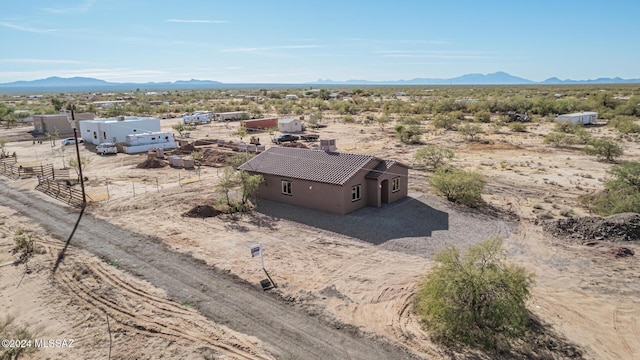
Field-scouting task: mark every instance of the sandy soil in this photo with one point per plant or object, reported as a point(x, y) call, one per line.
point(367, 280)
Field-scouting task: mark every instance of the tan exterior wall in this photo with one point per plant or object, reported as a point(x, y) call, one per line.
point(49, 123)
point(334, 198)
point(304, 193)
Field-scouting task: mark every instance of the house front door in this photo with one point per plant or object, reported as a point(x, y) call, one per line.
point(384, 191)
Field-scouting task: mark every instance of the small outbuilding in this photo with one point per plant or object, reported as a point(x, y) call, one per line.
point(289, 125)
point(334, 182)
point(586, 117)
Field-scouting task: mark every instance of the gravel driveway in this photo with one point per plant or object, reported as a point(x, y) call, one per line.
point(419, 224)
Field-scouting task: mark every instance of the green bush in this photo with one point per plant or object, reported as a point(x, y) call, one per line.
point(475, 298)
point(604, 149)
point(457, 185)
point(624, 124)
point(622, 192)
point(470, 131)
point(433, 156)
point(445, 121)
point(483, 116)
point(517, 127)
point(408, 134)
point(557, 139)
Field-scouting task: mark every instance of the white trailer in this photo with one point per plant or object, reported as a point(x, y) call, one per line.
point(586, 117)
point(143, 142)
point(198, 117)
point(231, 115)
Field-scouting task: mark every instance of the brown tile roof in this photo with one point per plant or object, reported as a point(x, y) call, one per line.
point(380, 169)
point(314, 165)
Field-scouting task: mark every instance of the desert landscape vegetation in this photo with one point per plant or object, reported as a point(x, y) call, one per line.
point(160, 264)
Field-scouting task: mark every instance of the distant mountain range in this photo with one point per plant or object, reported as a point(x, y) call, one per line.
point(91, 84)
point(498, 78)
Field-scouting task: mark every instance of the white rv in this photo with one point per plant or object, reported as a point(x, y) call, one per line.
point(586, 117)
point(143, 142)
point(198, 117)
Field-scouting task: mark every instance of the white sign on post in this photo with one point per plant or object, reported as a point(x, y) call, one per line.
point(256, 250)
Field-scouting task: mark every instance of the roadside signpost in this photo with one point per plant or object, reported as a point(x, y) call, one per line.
point(257, 250)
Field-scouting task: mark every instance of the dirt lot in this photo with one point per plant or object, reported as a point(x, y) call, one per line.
point(356, 277)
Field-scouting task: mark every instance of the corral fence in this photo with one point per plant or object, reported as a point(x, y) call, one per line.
point(55, 183)
point(10, 168)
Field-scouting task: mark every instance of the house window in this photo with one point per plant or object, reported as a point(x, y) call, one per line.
point(104, 135)
point(395, 184)
point(95, 135)
point(286, 187)
point(355, 193)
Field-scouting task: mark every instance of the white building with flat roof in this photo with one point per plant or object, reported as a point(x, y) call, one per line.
point(115, 130)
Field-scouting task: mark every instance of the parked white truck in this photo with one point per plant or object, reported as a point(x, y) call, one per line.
point(106, 148)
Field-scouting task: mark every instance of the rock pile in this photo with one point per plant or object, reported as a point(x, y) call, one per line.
point(617, 227)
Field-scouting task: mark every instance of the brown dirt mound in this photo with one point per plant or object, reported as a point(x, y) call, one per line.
point(202, 211)
point(185, 149)
point(617, 227)
point(212, 157)
point(295, 145)
point(152, 164)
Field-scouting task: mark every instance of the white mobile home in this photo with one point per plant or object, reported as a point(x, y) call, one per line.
point(289, 125)
point(115, 130)
point(198, 117)
point(143, 142)
point(587, 117)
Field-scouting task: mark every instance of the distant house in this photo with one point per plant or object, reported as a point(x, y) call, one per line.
point(62, 122)
point(328, 181)
point(289, 125)
point(291, 97)
point(115, 130)
point(586, 117)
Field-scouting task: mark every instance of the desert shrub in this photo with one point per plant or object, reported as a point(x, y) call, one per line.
point(433, 156)
point(622, 192)
point(475, 298)
point(517, 127)
point(348, 119)
point(566, 126)
point(457, 185)
point(445, 121)
point(24, 244)
point(483, 116)
point(470, 131)
point(10, 330)
point(624, 124)
point(408, 134)
point(410, 120)
point(604, 149)
point(557, 139)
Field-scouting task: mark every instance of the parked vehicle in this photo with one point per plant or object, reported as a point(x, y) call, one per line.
point(285, 138)
point(106, 148)
point(71, 141)
point(310, 137)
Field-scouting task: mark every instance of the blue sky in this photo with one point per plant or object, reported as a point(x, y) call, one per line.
point(262, 41)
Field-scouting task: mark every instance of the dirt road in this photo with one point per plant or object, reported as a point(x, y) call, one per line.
point(286, 331)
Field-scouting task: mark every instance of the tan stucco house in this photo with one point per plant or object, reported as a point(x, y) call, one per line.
point(329, 181)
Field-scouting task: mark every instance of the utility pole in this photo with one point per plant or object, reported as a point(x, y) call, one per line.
point(75, 137)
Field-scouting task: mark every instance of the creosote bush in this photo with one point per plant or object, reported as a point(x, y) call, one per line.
point(457, 185)
point(475, 298)
point(604, 149)
point(622, 193)
point(433, 156)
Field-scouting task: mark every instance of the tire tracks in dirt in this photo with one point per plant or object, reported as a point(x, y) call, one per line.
point(286, 331)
